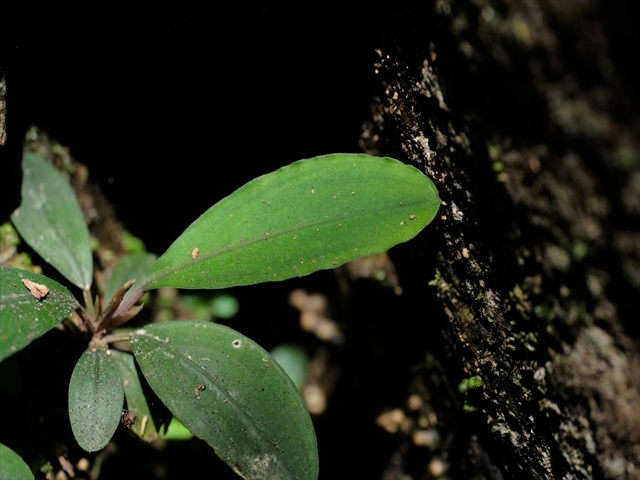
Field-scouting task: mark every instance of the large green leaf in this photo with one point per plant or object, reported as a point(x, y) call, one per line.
point(137, 404)
point(313, 214)
point(12, 467)
point(230, 392)
point(96, 396)
point(49, 219)
point(25, 317)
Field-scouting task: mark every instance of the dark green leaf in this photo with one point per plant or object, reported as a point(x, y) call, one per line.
point(144, 427)
point(129, 267)
point(12, 467)
point(96, 396)
point(23, 316)
point(49, 219)
point(313, 214)
point(230, 392)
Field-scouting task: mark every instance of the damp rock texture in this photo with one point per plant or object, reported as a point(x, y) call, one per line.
point(531, 292)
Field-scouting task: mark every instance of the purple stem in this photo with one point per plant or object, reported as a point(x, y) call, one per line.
point(129, 302)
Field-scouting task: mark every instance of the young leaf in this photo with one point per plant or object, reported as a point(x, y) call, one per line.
point(230, 392)
point(51, 222)
point(144, 427)
point(25, 314)
point(176, 431)
point(96, 396)
point(12, 466)
point(130, 267)
point(313, 214)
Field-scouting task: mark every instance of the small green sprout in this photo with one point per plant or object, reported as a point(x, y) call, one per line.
point(466, 408)
point(470, 383)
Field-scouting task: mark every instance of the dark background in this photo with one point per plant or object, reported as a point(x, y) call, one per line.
point(173, 107)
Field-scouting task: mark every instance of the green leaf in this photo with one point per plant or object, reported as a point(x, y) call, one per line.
point(12, 467)
point(176, 431)
point(96, 396)
point(130, 267)
point(294, 360)
point(230, 392)
point(224, 306)
point(24, 317)
point(145, 427)
point(49, 219)
point(313, 214)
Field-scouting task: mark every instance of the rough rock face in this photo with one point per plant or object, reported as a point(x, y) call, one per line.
point(527, 253)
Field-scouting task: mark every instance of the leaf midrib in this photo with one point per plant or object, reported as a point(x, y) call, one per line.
point(260, 238)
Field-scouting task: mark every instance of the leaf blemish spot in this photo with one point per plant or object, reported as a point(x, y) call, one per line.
point(412, 217)
point(236, 344)
point(195, 253)
point(199, 389)
point(37, 290)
